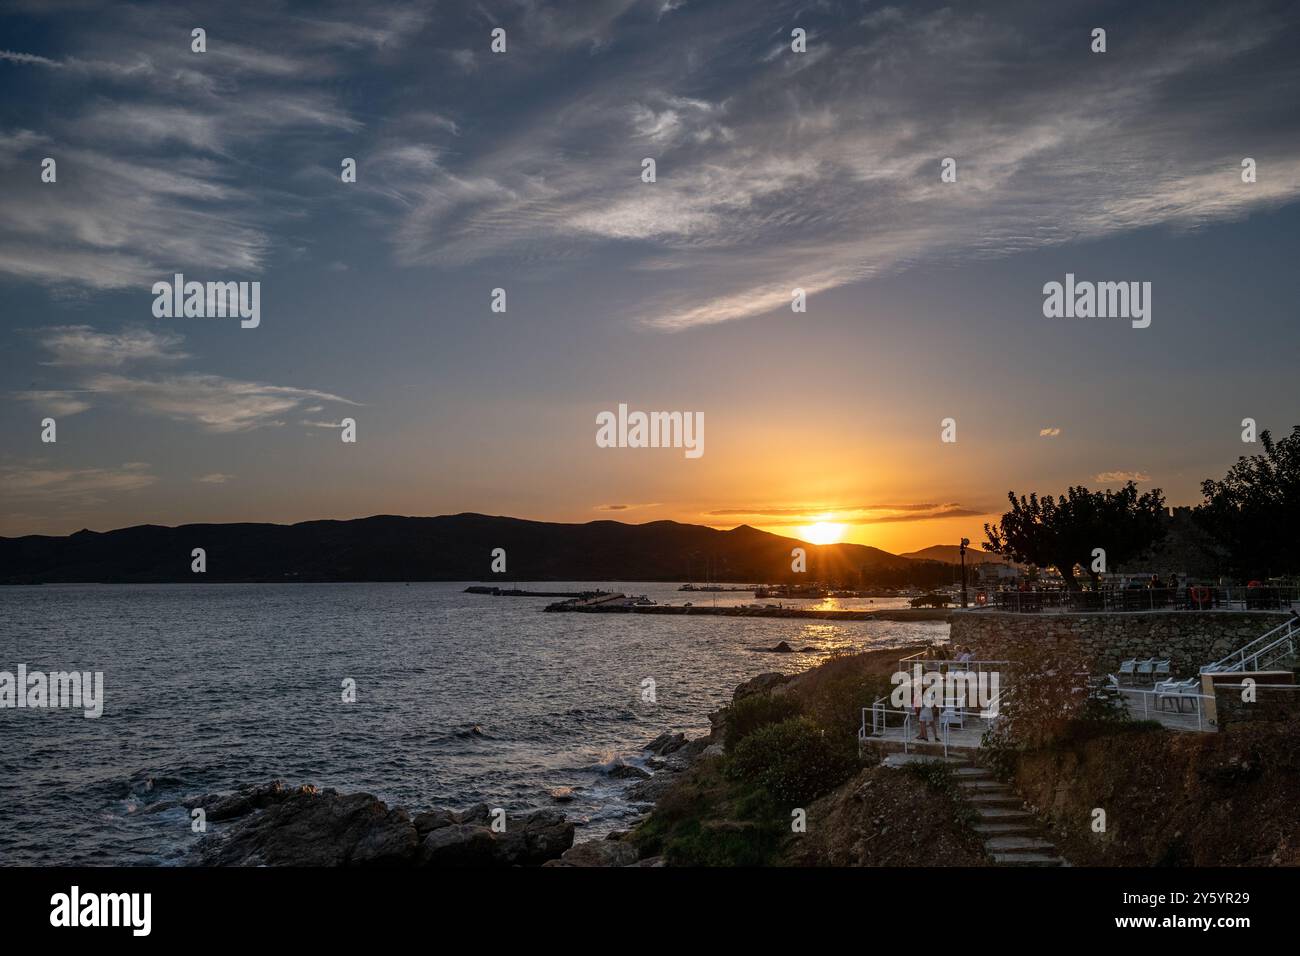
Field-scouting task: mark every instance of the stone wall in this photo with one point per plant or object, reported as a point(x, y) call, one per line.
point(1190, 639)
point(1270, 703)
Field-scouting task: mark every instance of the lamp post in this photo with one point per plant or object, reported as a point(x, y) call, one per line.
point(964, 543)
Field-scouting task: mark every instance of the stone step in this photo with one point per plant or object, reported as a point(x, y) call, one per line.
point(994, 800)
point(985, 786)
point(987, 813)
point(1027, 859)
point(901, 759)
point(1020, 843)
point(973, 772)
point(993, 829)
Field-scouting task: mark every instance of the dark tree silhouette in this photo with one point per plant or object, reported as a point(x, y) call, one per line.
point(1253, 514)
point(1063, 532)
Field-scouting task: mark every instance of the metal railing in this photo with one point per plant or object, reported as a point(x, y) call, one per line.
point(1168, 695)
point(1266, 649)
point(1118, 599)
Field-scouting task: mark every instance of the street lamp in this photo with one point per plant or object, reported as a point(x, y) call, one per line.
point(964, 543)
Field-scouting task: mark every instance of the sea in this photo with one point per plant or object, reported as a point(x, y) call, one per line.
point(459, 699)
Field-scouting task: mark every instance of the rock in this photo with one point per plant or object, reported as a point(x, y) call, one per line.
point(248, 799)
point(545, 834)
point(315, 828)
point(782, 647)
point(531, 841)
point(600, 853)
point(761, 684)
point(478, 815)
point(649, 791)
point(459, 845)
point(431, 820)
point(666, 743)
point(307, 827)
point(561, 794)
point(626, 771)
point(712, 752)
point(697, 746)
point(651, 861)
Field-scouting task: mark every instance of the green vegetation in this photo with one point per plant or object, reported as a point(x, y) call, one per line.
point(1063, 532)
point(755, 712)
point(711, 820)
point(1253, 512)
point(795, 761)
point(783, 751)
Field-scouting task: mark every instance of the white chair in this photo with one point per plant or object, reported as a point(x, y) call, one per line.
point(1128, 668)
point(1161, 670)
point(1144, 669)
point(1177, 691)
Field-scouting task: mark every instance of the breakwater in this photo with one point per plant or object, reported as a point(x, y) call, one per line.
point(613, 605)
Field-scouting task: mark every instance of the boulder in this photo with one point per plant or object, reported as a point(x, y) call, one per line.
point(246, 800)
point(459, 845)
point(600, 853)
point(666, 743)
point(625, 771)
point(531, 841)
point(315, 828)
point(431, 820)
point(761, 684)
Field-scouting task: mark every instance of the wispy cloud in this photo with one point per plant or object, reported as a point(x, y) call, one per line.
point(84, 486)
point(1120, 477)
point(56, 402)
point(854, 515)
point(1051, 432)
point(214, 402)
point(81, 345)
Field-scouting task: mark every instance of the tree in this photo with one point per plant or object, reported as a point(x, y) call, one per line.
point(1253, 514)
point(1063, 532)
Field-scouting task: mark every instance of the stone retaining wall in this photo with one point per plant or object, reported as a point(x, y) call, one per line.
point(1190, 639)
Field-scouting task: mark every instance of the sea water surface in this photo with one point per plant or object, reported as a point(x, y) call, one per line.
point(460, 699)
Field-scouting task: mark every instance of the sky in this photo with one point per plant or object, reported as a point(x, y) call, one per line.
point(522, 170)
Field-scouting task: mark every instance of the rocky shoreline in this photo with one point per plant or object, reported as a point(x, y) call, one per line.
point(276, 824)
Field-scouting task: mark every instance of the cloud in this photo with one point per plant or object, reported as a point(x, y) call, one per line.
point(856, 515)
point(1052, 432)
point(82, 486)
point(654, 504)
point(1119, 477)
point(80, 345)
point(770, 179)
point(216, 478)
point(216, 403)
point(56, 402)
point(29, 58)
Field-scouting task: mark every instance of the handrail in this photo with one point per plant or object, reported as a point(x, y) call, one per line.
point(1146, 712)
point(1237, 659)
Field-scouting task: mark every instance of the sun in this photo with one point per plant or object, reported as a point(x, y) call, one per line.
point(823, 532)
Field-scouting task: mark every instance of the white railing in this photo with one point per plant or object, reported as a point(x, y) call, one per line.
point(1147, 713)
point(1259, 653)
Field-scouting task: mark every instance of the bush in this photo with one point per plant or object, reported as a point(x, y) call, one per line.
point(758, 710)
point(794, 760)
point(837, 704)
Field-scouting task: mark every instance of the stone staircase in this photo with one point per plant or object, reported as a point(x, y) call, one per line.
point(1011, 835)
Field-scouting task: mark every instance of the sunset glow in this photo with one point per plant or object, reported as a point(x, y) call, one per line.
point(822, 532)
